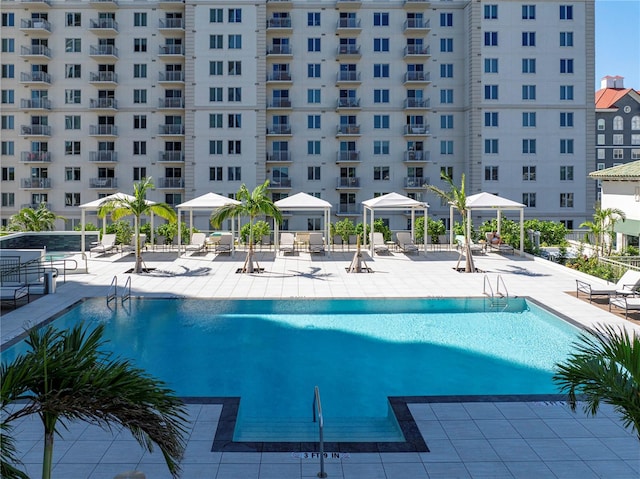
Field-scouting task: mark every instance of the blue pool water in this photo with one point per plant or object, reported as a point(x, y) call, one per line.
point(271, 353)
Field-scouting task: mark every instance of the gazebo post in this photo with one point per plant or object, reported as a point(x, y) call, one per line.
point(179, 230)
point(424, 239)
point(521, 231)
point(450, 225)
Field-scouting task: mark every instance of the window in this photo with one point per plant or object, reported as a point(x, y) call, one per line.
point(72, 71)
point(139, 122)
point(380, 19)
point(447, 171)
point(446, 122)
point(140, 45)
point(380, 44)
point(215, 68)
point(7, 96)
point(528, 65)
point(528, 146)
point(215, 15)
point(215, 173)
point(618, 139)
point(139, 173)
point(215, 94)
point(528, 12)
point(234, 120)
point(139, 19)
point(566, 65)
point(446, 147)
point(72, 45)
point(313, 44)
point(381, 70)
point(528, 39)
point(618, 154)
point(491, 146)
point(215, 42)
point(635, 139)
point(234, 68)
point(72, 199)
point(566, 12)
point(234, 94)
point(491, 118)
point(528, 119)
point(381, 147)
point(566, 119)
point(529, 173)
point(491, 65)
point(601, 154)
point(313, 70)
point(600, 140)
point(313, 173)
point(8, 199)
point(635, 154)
point(528, 92)
point(635, 122)
point(490, 173)
point(7, 148)
point(381, 96)
point(234, 173)
point(173, 199)
point(8, 45)
point(566, 173)
point(618, 123)
point(72, 173)
point(313, 19)
point(140, 95)
point(71, 147)
point(140, 70)
point(215, 120)
point(139, 147)
point(529, 199)
point(313, 147)
point(313, 122)
point(446, 70)
point(72, 97)
point(446, 96)
point(8, 174)
point(490, 12)
point(313, 95)
point(235, 42)
point(566, 200)
point(235, 15)
point(8, 20)
point(566, 146)
point(490, 39)
point(601, 124)
point(72, 122)
point(381, 173)
point(446, 45)
point(215, 147)
point(566, 39)
point(73, 19)
point(234, 147)
point(7, 122)
point(491, 92)
point(566, 92)
point(8, 71)
point(380, 121)
point(446, 19)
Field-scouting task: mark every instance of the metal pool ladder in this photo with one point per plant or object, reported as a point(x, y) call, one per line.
point(112, 294)
point(317, 405)
point(499, 298)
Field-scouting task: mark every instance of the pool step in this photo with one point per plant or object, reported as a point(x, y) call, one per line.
point(335, 430)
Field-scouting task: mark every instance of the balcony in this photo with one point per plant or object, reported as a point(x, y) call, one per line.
point(419, 103)
point(103, 52)
point(348, 157)
point(103, 104)
point(416, 130)
point(36, 104)
point(416, 4)
point(279, 183)
point(35, 157)
point(35, 206)
point(35, 26)
point(104, 156)
point(35, 51)
point(279, 24)
point(344, 130)
point(171, 24)
point(419, 25)
point(36, 78)
point(35, 183)
point(417, 77)
point(279, 3)
point(170, 183)
point(35, 3)
point(171, 4)
point(171, 130)
point(35, 130)
point(171, 156)
point(348, 51)
point(279, 157)
point(105, 183)
point(103, 130)
point(110, 78)
point(416, 156)
point(171, 77)
point(348, 77)
point(280, 51)
point(349, 209)
point(171, 51)
point(347, 4)
point(103, 25)
point(279, 130)
point(348, 183)
point(415, 182)
point(283, 77)
point(279, 103)
point(170, 103)
point(348, 103)
point(104, 4)
point(417, 51)
point(348, 25)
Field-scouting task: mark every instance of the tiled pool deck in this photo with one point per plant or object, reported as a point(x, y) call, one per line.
point(534, 439)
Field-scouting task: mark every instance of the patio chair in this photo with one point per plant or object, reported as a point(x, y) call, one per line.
point(627, 284)
point(198, 243)
point(475, 247)
point(225, 244)
point(627, 302)
point(353, 241)
point(265, 241)
point(337, 241)
point(131, 247)
point(405, 243)
point(498, 246)
point(161, 242)
point(377, 240)
point(316, 243)
point(287, 243)
point(107, 244)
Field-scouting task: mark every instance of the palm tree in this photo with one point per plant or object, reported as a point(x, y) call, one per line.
point(29, 219)
point(137, 206)
point(252, 204)
point(458, 198)
point(609, 218)
point(64, 376)
point(605, 368)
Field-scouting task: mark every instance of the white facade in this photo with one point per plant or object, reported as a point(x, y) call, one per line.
point(344, 100)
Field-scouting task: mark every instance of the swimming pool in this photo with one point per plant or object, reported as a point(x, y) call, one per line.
point(271, 353)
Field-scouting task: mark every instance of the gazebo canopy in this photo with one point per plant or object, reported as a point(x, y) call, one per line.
point(304, 202)
point(208, 201)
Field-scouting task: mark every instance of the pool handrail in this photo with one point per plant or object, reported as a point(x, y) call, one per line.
point(114, 285)
point(317, 405)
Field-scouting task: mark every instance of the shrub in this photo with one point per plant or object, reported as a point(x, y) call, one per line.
point(344, 228)
point(260, 228)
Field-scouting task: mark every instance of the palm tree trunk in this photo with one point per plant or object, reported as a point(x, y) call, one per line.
point(138, 266)
point(47, 459)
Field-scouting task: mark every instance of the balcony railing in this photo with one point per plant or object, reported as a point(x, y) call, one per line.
point(280, 156)
point(105, 156)
point(37, 2)
point(279, 23)
point(170, 183)
point(416, 129)
point(416, 24)
point(349, 23)
point(415, 182)
point(35, 183)
point(103, 77)
point(171, 23)
point(276, 183)
point(103, 103)
point(348, 3)
point(172, 156)
point(348, 130)
point(35, 51)
point(348, 182)
point(171, 129)
point(103, 51)
point(348, 76)
point(419, 3)
point(35, 157)
point(103, 130)
point(279, 130)
point(347, 156)
point(104, 3)
point(348, 209)
point(35, 130)
point(108, 183)
point(419, 156)
point(280, 103)
point(348, 102)
point(35, 206)
point(416, 50)
point(171, 50)
point(171, 103)
point(36, 104)
point(417, 77)
point(279, 76)
point(35, 24)
point(349, 50)
point(416, 103)
point(279, 50)
point(35, 77)
point(174, 77)
point(103, 24)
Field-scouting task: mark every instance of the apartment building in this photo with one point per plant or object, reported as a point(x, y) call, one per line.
point(342, 99)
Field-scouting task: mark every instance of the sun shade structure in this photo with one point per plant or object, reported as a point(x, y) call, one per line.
point(395, 201)
point(95, 206)
point(208, 201)
point(304, 202)
point(487, 201)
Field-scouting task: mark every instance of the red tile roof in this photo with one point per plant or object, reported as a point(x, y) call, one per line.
point(607, 97)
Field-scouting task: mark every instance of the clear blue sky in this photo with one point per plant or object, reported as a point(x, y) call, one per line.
point(618, 41)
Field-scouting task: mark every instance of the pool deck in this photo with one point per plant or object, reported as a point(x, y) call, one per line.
point(529, 439)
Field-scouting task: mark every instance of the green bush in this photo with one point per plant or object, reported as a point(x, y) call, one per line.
point(344, 229)
point(123, 231)
point(170, 231)
point(260, 228)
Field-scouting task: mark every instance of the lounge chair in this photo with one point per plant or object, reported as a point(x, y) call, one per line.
point(405, 242)
point(11, 293)
point(225, 244)
point(475, 247)
point(337, 241)
point(287, 243)
point(265, 241)
point(316, 243)
point(377, 240)
point(198, 242)
point(626, 302)
point(352, 241)
point(627, 284)
point(131, 247)
point(499, 246)
point(107, 244)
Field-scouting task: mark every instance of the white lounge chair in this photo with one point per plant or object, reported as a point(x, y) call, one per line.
point(287, 243)
point(627, 284)
point(377, 240)
point(107, 243)
point(405, 243)
point(198, 242)
point(499, 246)
point(316, 243)
point(628, 303)
point(225, 244)
point(475, 247)
point(131, 247)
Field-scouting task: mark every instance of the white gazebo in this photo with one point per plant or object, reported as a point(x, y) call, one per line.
point(208, 201)
point(395, 201)
point(487, 201)
point(305, 202)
